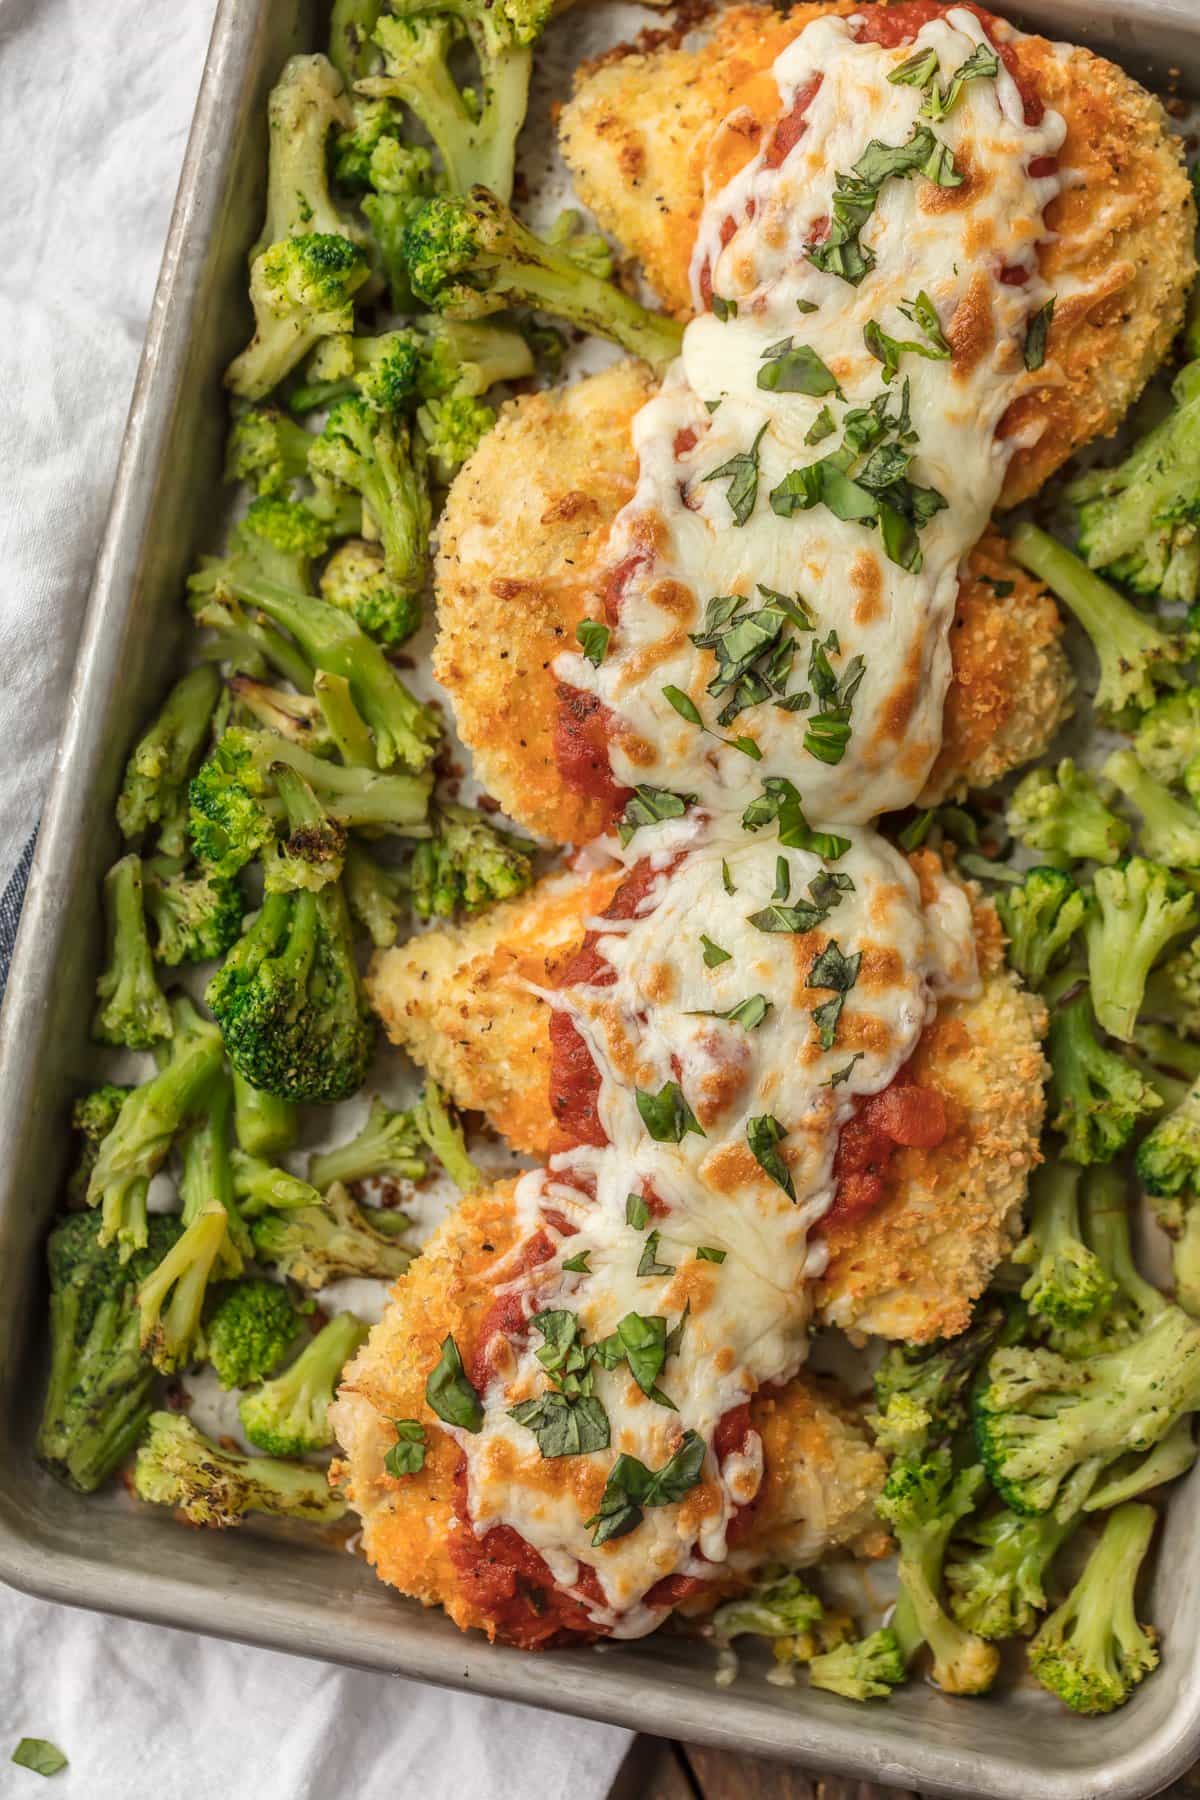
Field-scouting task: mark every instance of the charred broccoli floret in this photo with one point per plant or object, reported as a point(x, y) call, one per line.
point(374, 895)
point(1140, 521)
point(263, 1124)
point(302, 290)
point(1041, 915)
point(1170, 827)
point(290, 1415)
point(452, 429)
point(996, 1575)
point(444, 1136)
point(1138, 910)
point(132, 1011)
point(402, 179)
point(388, 1144)
point(1134, 652)
point(864, 1669)
point(93, 1117)
point(1167, 741)
point(1091, 1651)
point(1066, 1282)
point(351, 49)
point(268, 450)
point(154, 791)
point(248, 1330)
point(259, 1186)
point(101, 1383)
point(1168, 1165)
point(467, 864)
point(779, 1606)
point(307, 103)
point(318, 1244)
point(195, 915)
point(1063, 812)
point(470, 256)
point(1040, 1418)
point(1098, 1097)
point(309, 856)
point(377, 456)
point(178, 1466)
point(356, 579)
point(148, 1123)
point(297, 717)
point(171, 1297)
point(921, 1389)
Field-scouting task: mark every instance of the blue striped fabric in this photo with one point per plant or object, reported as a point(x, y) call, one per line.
point(11, 902)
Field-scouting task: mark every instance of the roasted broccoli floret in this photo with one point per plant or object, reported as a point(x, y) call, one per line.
point(259, 1186)
point(101, 1383)
point(356, 579)
point(444, 1135)
point(195, 915)
point(571, 234)
point(864, 1669)
point(923, 1500)
point(470, 256)
point(171, 1297)
point(318, 1244)
point(1131, 1301)
point(149, 1121)
point(1138, 910)
point(467, 864)
point(778, 1606)
point(1066, 1282)
point(263, 1124)
point(1140, 521)
point(1167, 742)
point(1098, 1097)
point(178, 1466)
point(452, 429)
point(93, 1117)
point(1134, 652)
point(132, 1011)
point(296, 717)
point(1041, 916)
point(1091, 1651)
point(302, 290)
point(372, 123)
point(154, 791)
point(374, 894)
point(1039, 1417)
point(475, 130)
point(388, 1144)
point(1168, 1165)
point(268, 450)
point(310, 854)
point(377, 455)
point(921, 1389)
point(248, 1330)
point(402, 179)
point(1170, 827)
point(1173, 990)
point(307, 103)
point(290, 1415)
point(1063, 813)
point(468, 356)
point(996, 1575)
point(351, 49)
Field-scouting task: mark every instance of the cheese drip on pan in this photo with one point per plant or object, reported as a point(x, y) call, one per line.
point(873, 283)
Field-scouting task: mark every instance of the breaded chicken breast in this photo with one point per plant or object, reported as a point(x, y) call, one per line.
point(820, 1482)
point(464, 1002)
point(652, 134)
point(522, 549)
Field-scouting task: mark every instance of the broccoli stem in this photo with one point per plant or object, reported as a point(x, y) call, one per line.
point(373, 894)
point(260, 1187)
point(388, 1144)
point(1170, 827)
point(161, 762)
point(343, 719)
point(178, 1466)
point(1130, 1476)
point(171, 1299)
point(262, 1123)
point(1092, 1652)
point(132, 1011)
point(1067, 1282)
point(206, 1172)
point(444, 1135)
point(1098, 1096)
point(289, 1416)
point(351, 26)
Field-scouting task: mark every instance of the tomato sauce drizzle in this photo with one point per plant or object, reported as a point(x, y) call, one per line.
point(903, 1113)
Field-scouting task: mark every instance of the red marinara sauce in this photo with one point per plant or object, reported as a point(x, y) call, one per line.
point(903, 1113)
point(892, 26)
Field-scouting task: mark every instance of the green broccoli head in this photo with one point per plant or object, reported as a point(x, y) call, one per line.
point(378, 456)
point(153, 793)
point(318, 1244)
point(1041, 915)
point(921, 1389)
point(311, 854)
point(467, 864)
point(248, 1330)
point(194, 916)
point(1170, 827)
point(1173, 990)
point(171, 1297)
point(356, 579)
point(1139, 909)
point(402, 179)
point(779, 1605)
point(232, 807)
point(471, 256)
point(101, 1383)
point(388, 1144)
point(996, 1575)
point(93, 1117)
point(290, 1415)
point(132, 1011)
point(452, 429)
point(1091, 1651)
point(286, 537)
point(468, 356)
point(373, 123)
point(589, 248)
point(443, 1134)
point(267, 450)
point(1098, 1096)
point(1168, 1158)
point(178, 1466)
point(1167, 740)
point(302, 290)
point(375, 895)
point(865, 1669)
point(1064, 813)
point(1067, 1282)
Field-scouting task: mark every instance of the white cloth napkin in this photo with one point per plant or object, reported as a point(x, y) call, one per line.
point(95, 102)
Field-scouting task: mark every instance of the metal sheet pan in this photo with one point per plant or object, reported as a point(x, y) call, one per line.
point(293, 1593)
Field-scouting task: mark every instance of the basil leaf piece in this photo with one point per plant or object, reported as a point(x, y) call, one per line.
point(1001, 589)
point(727, 878)
point(846, 1070)
point(649, 1263)
point(748, 1013)
point(746, 745)
point(941, 101)
point(742, 473)
point(780, 800)
point(631, 1486)
point(684, 705)
point(825, 1017)
point(578, 1264)
point(916, 71)
point(821, 427)
point(563, 1426)
point(675, 1335)
point(710, 406)
point(924, 314)
point(1036, 335)
point(407, 1454)
point(799, 491)
point(916, 831)
point(637, 1213)
point(593, 640)
point(800, 917)
point(764, 1134)
point(796, 369)
point(649, 806)
point(644, 1342)
point(939, 167)
point(706, 1253)
point(39, 1755)
point(714, 956)
point(807, 306)
point(827, 888)
point(448, 1392)
point(724, 309)
point(783, 878)
point(832, 969)
point(888, 350)
point(855, 195)
point(666, 1115)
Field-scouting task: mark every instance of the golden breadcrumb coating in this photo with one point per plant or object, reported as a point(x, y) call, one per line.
point(651, 134)
point(521, 563)
point(818, 1493)
point(912, 1268)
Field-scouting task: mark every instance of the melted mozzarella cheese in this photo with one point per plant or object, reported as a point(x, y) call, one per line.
point(950, 243)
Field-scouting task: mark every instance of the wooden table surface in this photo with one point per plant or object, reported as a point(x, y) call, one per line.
point(656, 1770)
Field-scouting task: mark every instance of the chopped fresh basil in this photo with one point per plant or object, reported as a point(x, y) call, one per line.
point(807, 306)
point(578, 1264)
point(649, 1263)
point(684, 706)
point(724, 309)
point(666, 1115)
point(923, 313)
point(754, 651)
point(780, 800)
point(631, 1487)
point(846, 1070)
point(746, 745)
point(564, 1426)
point(786, 918)
point(644, 1342)
point(888, 350)
point(916, 831)
point(727, 878)
point(941, 101)
point(832, 969)
point(637, 1213)
point(710, 406)
point(714, 956)
point(593, 640)
point(706, 1253)
point(742, 473)
point(939, 167)
point(840, 252)
point(748, 1013)
point(828, 731)
point(1036, 334)
point(821, 427)
point(650, 806)
point(450, 1394)
point(764, 1135)
point(564, 1355)
point(789, 368)
point(916, 71)
point(39, 1755)
point(407, 1454)
point(783, 879)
